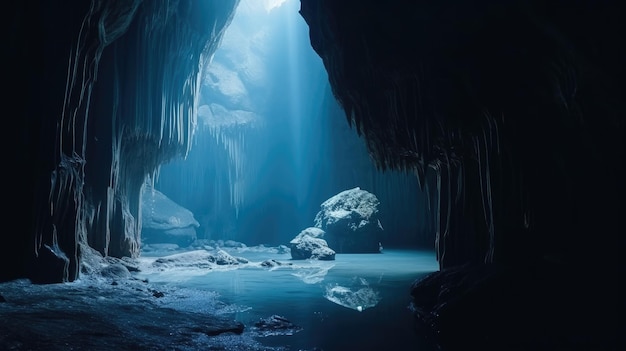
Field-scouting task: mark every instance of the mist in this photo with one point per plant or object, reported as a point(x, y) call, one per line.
point(272, 143)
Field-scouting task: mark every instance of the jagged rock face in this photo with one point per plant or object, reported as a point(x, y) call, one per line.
point(500, 108)
point(350, 222)
point(52, 266)
point(493, 105)
point(113, 98)
point(197, 258)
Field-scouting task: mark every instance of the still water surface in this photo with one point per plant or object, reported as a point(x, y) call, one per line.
point(302, 292)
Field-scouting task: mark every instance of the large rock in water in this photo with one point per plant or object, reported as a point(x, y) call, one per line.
point(164, 221)
point(310, 245)
point(350, 222)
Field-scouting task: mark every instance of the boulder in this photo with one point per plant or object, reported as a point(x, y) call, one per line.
point(115, 271)
point(350, 222)
point(309, 245)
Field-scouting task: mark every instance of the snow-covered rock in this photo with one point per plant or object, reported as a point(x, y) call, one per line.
point(198, 259)
point(309, 245)
point(226, 84)
point(313, 232)
point(350, 222)
point(164, 221)
point(115, 271)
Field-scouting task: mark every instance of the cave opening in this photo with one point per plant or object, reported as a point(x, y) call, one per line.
point(509, 116)
point(272, 143)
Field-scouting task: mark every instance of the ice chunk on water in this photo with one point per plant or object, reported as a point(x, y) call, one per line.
point(359, 296)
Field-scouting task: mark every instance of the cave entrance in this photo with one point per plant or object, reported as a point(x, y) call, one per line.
point(271, 148)
point(271, 145)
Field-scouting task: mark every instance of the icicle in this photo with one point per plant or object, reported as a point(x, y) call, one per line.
point(490, 253)
point(438, 239)
point(479, 157)
point(497, 131)
point(449, 199)
point(460, 181)
point(486, 193)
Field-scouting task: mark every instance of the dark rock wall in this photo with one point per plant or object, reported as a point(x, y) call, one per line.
point(109, 90)
point(510, 113)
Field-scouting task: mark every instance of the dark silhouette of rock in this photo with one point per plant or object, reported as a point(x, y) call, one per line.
point(49, 266)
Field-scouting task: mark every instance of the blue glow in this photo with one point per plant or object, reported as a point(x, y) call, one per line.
point(272, 143)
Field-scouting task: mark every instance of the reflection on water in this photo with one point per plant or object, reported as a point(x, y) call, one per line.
point(357, 302)
point(360, 297)
point(312, 275)
point(288, 305)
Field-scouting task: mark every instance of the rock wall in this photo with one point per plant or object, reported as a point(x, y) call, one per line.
point(112, 90)
point(509, 113)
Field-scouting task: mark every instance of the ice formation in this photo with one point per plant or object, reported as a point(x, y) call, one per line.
point(155, 53)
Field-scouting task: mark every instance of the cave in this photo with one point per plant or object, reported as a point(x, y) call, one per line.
point(492, 133)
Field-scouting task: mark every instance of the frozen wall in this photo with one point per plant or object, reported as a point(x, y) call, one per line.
point(118, 96)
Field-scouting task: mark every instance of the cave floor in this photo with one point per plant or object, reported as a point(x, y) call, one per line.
point(355, 302)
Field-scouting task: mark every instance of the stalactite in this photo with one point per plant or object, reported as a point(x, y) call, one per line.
point(232, 140)
point(157, 109)
point(448, 167)
point(68, 178)
point(437, 208)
